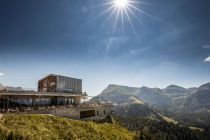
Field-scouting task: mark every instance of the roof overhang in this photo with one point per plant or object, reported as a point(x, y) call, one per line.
point(42, 94)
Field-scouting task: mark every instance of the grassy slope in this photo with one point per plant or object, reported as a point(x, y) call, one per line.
point(161, 130)
point(51, 127)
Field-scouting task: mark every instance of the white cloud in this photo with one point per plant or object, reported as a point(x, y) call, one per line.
point(207, 59)
point(206, 46)
point(1, 74)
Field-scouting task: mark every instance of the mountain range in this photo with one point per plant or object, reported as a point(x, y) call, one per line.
point(176, 104)
point(172, 97)
point(1, 87)
point(10, 88)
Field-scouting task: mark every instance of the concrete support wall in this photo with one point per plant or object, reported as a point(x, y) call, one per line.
point(75, 112)
point(71, 111)
point(77, 100)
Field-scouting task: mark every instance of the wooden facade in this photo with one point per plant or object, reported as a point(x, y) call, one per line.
point(57, 95)
point(61, 84)
point(24, 99)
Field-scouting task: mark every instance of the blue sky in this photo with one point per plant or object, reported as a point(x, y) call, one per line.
point(69, 37)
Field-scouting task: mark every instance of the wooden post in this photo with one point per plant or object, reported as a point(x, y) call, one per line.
point(38, 101)
point(14, 102)
point(4, 102)
point(7, 102)
point(33, 101)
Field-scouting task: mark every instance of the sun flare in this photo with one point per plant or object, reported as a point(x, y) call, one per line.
point(121, 3)
point(123, 11)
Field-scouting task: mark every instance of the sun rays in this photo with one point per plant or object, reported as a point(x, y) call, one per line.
point(121, 3)
point(123, 15)
point(123, 11)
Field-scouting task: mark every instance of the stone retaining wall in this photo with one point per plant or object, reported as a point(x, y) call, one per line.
point(66, 111)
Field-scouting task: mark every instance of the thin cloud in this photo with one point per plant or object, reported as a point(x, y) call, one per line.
point(1, 74)
point(206, 46)
point(207, 59)
point(114, 43)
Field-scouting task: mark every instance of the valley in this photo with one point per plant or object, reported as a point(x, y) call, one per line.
point(187, 107)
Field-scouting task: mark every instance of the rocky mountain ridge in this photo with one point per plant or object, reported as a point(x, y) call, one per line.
point(172, 97)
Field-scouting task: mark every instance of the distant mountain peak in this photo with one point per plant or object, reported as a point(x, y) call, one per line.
point(1, 87)
point(115, 85)
point(9, 88)
point(205, 86)
point(144, 87)
point(174, 87)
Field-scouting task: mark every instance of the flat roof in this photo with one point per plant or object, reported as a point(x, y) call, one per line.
point(45, 94)
point(59, 76)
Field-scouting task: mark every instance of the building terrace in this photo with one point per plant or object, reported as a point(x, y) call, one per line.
point(31, 98)
point(57, 95)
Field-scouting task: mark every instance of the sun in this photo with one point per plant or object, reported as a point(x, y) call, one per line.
point(121, 11)
point(121, 3)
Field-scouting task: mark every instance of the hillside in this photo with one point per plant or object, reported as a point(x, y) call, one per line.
point(121, 94)
point(199, 100)
point(10, 88)
point(1, 87)
point(177, 92)
point(135, 110)
point(173, 98)
point(162, 130)
point(116, 94)
point(188, 106)
point(154, 96)
point(173, 89)
point(45, 127)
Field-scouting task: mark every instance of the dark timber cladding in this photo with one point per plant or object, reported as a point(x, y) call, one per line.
point(57, 83)
point(87, 113)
